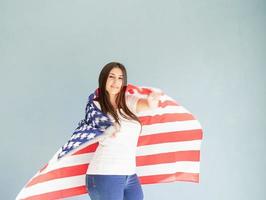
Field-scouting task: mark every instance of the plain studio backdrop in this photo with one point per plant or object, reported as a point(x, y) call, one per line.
point(208, 55)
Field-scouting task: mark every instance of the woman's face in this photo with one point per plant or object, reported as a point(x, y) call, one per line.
point(114, 81)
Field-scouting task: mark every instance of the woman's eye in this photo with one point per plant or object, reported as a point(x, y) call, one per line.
point(114, 77)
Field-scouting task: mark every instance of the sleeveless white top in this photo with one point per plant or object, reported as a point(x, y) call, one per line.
point(117, 155)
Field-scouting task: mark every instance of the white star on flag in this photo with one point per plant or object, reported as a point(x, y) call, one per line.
point(91, 135)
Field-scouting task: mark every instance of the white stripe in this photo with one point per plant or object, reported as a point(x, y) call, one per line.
point(168, 147)
point(69, 161)
point(168, 168)
point(170, 127)
point(161, 111)
point(53, 185)
point(81, 197)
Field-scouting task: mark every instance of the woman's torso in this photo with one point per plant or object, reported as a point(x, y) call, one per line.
point(117, 155)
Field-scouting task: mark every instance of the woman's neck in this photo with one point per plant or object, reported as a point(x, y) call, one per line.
point(112, 100)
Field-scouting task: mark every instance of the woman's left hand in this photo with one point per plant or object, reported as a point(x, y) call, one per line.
point(153, 99)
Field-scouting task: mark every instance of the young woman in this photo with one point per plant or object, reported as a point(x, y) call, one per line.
point(111, 174)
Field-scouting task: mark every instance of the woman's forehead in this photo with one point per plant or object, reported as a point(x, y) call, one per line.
point(116, 71)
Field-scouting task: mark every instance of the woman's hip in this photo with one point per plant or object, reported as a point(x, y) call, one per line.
point(114, 187)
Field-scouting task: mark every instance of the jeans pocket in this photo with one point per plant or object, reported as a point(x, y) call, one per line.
point(90, 182)
point(92, 190)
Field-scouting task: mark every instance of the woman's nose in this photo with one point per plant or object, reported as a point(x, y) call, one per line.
point(115, 80)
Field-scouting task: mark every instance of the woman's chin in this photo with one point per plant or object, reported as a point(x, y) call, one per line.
point(113, 92)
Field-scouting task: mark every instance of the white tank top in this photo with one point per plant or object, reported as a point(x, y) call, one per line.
point(117, 155)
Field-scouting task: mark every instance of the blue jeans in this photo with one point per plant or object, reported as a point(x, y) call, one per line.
point(114, 187)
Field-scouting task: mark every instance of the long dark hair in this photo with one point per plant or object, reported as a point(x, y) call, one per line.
point(103, 96)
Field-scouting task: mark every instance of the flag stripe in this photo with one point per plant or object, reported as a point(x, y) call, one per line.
point(168, 157)
point(59, 194)
point(170, 127)
point(172, 117)
point(176, 136)
point(168, 109)
point(165, 178)
point(60, 173)
point(68, 162)
point(53, 185)
point(169, 147)
point(90, 148)
point(167, 103)
point(167, 168)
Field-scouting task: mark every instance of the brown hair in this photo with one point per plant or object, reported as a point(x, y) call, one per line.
point(103, 96)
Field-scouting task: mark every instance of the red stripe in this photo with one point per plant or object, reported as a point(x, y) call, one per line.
point(88, 149)
point(165, 103)
point(177, 136)
point(141, 90)
point(165, 178)
point(171, 117)
point(59, 173)
point(60, 194)
point(192, 155)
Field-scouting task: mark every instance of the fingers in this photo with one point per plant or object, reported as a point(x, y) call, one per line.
point(155, 95)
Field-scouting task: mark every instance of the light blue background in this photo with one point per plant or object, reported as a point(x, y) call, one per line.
point(208, 55)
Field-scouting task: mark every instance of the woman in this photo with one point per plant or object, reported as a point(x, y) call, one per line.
point(111, 168)
point(111, 174)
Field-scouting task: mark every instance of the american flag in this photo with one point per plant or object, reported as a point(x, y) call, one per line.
point(93, 126)
point(168, 150)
